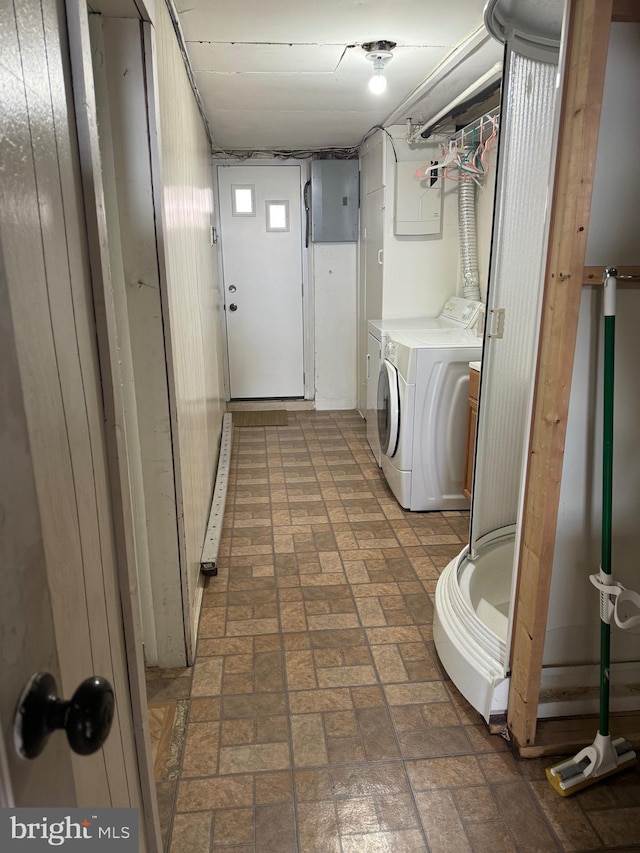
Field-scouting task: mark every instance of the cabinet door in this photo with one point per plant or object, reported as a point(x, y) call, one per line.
point(472, 416)
point(370, 250)
point(372, 167)
point(373, 212)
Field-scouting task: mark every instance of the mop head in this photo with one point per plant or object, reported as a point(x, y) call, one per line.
point(593, 763)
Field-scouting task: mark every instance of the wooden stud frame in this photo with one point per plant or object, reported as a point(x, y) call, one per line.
point(583, 83)
point(627, 11)
point(593, 275)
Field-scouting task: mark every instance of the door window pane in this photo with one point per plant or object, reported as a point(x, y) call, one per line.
point(243, 199)
point(277, 216)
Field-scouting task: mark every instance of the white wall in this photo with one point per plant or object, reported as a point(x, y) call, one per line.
point(334, 284)
point(191, 304)
point(169, 270)
point(573, 626)
point(330, 327)
point(573, 622)
point(425, 270)
point(420, 272)
point(159, 576)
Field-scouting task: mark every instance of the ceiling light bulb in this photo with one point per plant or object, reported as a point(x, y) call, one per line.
point(378, 83)
point(378, 53)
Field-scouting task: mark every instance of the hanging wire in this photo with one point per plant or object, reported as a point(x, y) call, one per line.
point(348, 153)
point(384, 130)
point(286, 153)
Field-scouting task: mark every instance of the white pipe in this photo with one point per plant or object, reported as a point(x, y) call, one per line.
point(490, 76)
point(450, 62)
point(468, 237)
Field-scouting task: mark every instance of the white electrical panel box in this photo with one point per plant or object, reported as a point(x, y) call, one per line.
point(418, 202)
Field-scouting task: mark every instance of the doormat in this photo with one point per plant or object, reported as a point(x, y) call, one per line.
point(253, 419)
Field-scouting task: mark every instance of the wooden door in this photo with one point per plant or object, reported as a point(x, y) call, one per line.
point(262, 271)
point(64, 609)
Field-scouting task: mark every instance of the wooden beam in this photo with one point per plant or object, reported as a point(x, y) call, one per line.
point(593, 275)
point(583, 81)
point(627, 11)
point(570, 734)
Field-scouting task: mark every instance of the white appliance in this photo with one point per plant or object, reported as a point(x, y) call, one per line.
point(457, 313)
point(422, 402)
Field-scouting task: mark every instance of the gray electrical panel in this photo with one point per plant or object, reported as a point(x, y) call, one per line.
point(334, 201)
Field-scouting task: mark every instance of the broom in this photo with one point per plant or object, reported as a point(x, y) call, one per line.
point(605, 756)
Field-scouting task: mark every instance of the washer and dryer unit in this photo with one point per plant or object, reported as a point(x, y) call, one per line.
point(421, 404)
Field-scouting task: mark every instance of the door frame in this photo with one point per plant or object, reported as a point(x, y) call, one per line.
point(92, 343)
point(308, 336)
point(109, 335)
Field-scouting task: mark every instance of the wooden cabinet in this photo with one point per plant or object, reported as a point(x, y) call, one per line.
point(472, 416)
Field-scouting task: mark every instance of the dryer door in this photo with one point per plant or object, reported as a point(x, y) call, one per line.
point(388, 409)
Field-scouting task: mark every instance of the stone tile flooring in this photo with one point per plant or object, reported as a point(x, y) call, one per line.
point(319, 717)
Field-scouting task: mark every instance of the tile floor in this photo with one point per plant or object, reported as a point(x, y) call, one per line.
point(319, 718)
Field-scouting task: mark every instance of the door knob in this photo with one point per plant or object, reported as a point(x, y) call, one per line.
point(232, 288)
point(86, 717)
point(233, 307)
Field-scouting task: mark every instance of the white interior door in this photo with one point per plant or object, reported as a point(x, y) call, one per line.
point(64, 608)
point(261, 238)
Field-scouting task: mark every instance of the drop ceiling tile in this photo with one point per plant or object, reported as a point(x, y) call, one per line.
point(419, 22)
point(294, 70)
point(248, 58)
point(280, 94)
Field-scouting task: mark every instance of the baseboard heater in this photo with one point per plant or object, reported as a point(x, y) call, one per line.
point(209, 558)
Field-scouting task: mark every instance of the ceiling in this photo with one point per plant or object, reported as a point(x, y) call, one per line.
point(291, 74)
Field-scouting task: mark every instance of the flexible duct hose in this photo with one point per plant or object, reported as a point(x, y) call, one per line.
point(468, 238)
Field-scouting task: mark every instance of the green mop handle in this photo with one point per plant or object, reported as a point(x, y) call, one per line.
point(607, 486)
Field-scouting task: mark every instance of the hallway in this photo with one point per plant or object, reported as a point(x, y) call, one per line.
point(317, 715)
